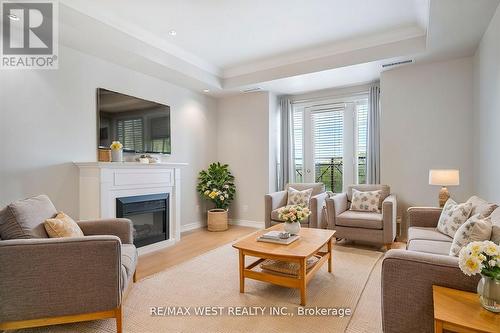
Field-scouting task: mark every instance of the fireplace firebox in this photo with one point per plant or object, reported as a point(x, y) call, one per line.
point(149, 215)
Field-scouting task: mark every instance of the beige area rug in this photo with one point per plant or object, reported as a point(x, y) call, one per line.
point(212, 280)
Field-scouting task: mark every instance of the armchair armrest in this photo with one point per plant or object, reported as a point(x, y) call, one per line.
point(389, 214)
point(273, 201)
point(407, 279)
point(316, 205)
point(423, 216)
point(47, 277)
point(122, 228)
point(334, 206)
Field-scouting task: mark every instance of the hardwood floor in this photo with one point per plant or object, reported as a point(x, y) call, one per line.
point(193, 243)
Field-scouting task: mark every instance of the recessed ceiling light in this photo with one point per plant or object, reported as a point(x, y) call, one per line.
point(206, 90)
point(172, 32)
point(13, 17)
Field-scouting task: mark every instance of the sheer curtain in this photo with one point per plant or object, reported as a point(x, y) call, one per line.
point(285, 145)
point(373, 147)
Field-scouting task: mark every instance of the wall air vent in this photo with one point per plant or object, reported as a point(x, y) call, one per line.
point(397, 63)
point(250, 90)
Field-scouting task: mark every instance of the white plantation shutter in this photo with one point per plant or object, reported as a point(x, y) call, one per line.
point(130, 133)
point(298, 143)
point(328, 133)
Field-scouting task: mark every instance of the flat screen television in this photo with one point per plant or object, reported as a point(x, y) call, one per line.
point(141, 126)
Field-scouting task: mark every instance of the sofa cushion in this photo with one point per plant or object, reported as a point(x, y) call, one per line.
point(429, 246)
point(299, 198)
point(25, 218)
point(495, 226)
point(275, 217)
point(475, 229)
point(424, 233)
point(129, 263)
point(366, 220)
point(316, 187)
point(367, 201)
point(62, 226)
point(385, 190)
point(453, 216)
point(481, 206)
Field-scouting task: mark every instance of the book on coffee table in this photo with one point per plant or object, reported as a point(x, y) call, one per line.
point(285, 241)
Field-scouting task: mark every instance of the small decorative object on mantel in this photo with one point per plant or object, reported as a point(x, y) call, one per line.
point(147, 159)
point(116, 151)
point(292, 216)
point(143, 159)
point(104, 155)
point(217, 185)
point(483, 258)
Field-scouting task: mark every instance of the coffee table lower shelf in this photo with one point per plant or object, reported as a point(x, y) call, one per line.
point(299, 282)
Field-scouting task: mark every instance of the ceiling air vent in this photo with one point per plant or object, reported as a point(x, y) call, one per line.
point(250, 90)
point(397, 63)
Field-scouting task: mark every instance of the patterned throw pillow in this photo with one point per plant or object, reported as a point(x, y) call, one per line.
point(476, 228)
point(62, 226)
point(453, 216)
point(299, 198)
point(365, 201)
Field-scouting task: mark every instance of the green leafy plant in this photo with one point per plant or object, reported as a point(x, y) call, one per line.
point(216, 184)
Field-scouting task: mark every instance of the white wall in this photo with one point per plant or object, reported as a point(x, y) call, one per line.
point(426, 124)
point(487, 113)
point(243, 125)
point(48, 120)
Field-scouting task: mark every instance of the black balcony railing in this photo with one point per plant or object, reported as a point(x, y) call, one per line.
point(330, 173)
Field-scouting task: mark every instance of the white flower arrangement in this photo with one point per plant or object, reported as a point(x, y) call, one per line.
point(292, 214)
point(480, 257)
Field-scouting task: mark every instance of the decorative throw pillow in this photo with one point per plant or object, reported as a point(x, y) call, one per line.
point(299, 198)
point(453, 216)
point(480, 206)
point(476, 228)
point(62, 226)
point(365, 201)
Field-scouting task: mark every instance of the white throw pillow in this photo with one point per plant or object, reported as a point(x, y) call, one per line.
point(476, 228)
point(365, 201)
point(299, 198)
point(453, 216)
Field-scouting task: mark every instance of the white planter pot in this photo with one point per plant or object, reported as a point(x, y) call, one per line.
point(293, 228)
point(116, 155)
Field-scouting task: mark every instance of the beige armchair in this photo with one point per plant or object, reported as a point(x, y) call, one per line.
point(47, 281)
point(276, 200)
point(363, 226)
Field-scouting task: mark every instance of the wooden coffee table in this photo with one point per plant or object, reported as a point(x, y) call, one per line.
point(310, 243)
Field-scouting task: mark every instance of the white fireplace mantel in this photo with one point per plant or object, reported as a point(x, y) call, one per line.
point(102, 182)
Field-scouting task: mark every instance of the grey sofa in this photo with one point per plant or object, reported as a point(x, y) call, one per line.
point(363, 226)
point(408, 275)
point(46, 281)
point(276, 200)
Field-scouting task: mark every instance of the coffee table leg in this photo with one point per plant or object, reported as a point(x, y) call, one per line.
point(330, 253)
point(438, 326)
point(242, 268)
point(302, 278)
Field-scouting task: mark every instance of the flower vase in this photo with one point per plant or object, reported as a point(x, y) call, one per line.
point(292, 228)
point(116, 155)
point(489, 293)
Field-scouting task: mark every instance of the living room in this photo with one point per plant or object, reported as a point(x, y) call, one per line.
point(148, 147)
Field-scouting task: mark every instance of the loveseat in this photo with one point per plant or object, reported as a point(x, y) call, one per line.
point(408, 275)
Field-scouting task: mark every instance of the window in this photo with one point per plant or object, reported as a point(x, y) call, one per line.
point(330, 142)
point(130, 133)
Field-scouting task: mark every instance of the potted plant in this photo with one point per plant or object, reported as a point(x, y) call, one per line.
point(292, 216)
point(483, 258)
point(216, 184)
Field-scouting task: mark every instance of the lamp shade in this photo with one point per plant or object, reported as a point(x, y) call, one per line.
point(444, 177)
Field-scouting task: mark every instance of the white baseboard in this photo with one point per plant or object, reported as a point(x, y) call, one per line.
point(247, 223)
point(192, 226)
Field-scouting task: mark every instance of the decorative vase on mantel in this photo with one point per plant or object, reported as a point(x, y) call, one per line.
point(116, 151)
point(488, 290)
